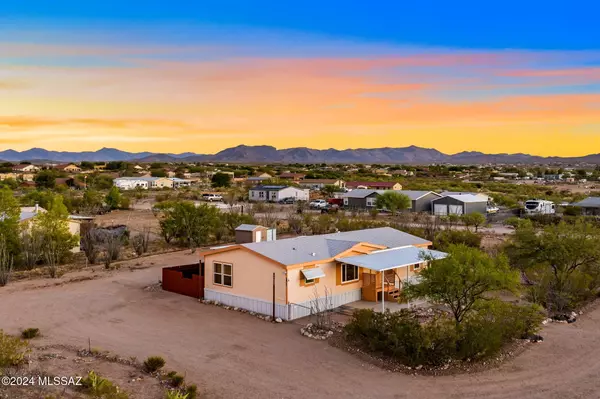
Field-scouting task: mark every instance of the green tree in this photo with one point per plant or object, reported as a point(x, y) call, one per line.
point(9, 221)
point(221, 180)
point(231, 220)
point(462, 280)
point(45, 179)
point(190, 224)
point(113, 198)
point(445, 238)
point(158, 172)
point(562, 260)
point(57, 240)
point(92, 201)
point(393, 201)
point(474, 219)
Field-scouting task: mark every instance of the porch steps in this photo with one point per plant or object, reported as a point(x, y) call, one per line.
point(393, 295)
point(345, 310)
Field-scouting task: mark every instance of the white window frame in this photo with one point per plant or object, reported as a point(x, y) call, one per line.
point(261, 194)
point(344, 271)
point(222, 274)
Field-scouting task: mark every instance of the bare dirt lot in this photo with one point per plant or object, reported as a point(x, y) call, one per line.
point(229, 354)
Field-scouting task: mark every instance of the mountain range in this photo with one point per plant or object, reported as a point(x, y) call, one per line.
point(268, 154)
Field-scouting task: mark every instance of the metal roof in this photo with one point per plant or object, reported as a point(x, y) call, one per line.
point(306, 249)
point(359, 193)
point(589, 202)
point(362, 193)
point(313, 273)
point(247, 227)
point(448, 193)
point(269, 188)
point(464, 198)
point(392, 258)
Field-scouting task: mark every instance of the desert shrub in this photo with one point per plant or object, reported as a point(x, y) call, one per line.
point(191, 391)
point(153, 363)
point(572, 211)
point(175, 394)
point(30, 333)
point(176, 380)
point(99, 387)
point(401, 336)
point(12, 350)
point(517, 222)
point(445, 238)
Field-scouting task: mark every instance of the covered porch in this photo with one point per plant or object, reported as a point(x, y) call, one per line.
point(384, 272)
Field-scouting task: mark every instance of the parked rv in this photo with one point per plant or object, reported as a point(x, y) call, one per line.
point(539, 207)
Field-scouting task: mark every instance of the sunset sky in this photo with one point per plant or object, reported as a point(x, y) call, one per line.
point(201, 76)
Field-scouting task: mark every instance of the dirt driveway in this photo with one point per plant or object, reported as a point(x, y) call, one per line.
point(235, 355)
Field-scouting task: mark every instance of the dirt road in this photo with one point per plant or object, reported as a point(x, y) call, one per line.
point(235, 355)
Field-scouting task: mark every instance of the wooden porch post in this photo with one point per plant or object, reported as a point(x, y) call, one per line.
point(382, 293)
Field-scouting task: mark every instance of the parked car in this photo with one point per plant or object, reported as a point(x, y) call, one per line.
point(212, 197)
point(288, 200)
point(330, 209)
point(492, 209)
point(317, 204)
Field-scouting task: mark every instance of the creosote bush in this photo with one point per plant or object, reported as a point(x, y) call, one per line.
point(154, 363)
point(12, 350)
point(30, 333)
point(401, 336)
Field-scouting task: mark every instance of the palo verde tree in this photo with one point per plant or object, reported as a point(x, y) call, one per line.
point(189, 224)
point(474, 219)
point(57, 240)
point(562, 262)
point(221, 180)
point(393, 201)
point(113, 198)
point(462, 280)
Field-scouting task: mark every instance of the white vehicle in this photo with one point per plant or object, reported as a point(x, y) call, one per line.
point(212, 197)
point(492, 209)
point(318, 204)
point(539, 207)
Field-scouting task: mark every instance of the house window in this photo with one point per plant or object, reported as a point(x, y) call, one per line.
point(349, 273)
point(417, 266)
point(222, 274)
point(309, 280)
point(371, 201)
point(261, 194)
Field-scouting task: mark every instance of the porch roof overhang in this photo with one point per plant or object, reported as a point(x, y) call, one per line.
point(392, 258)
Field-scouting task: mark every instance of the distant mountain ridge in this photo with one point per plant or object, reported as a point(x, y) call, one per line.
point(269, 154)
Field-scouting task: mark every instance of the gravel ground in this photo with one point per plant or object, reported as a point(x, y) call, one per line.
point(230, 354)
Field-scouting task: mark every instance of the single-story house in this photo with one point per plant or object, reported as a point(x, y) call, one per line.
point(292, 176)
point(68, 167)
point(277, 193)
point(144, 182)
point(177, 182)
point(318, 184)
point(22, 168)
point(365, 199)
point(375, 185)
point(459, 205)
point(589, 206)
point(29, 212)
point(370, 264)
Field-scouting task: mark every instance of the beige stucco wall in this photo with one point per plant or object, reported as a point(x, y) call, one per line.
point(252, 276)
point(75, 228)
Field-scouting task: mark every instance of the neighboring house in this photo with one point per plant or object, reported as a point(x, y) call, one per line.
point(177, 182)
point(553, 177)
point(68, 167)
point(459, 205)
point(375, 185)
point(4, 176)
point(29, 212)
point(130, 183)
point(589, 206)
point(23, 168)
point(370, 264)
point(256, 179)
point(292, 176)
point(318, 184)
point(277, 193)
point(365, 199)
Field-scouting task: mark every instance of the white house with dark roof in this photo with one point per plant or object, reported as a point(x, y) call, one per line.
point(277, 193)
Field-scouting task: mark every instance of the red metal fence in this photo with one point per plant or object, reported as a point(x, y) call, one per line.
point(185, 280)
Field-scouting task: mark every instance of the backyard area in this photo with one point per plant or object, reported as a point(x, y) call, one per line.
point(229, 354)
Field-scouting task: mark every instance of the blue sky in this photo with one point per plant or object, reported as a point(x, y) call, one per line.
point(521, 24)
